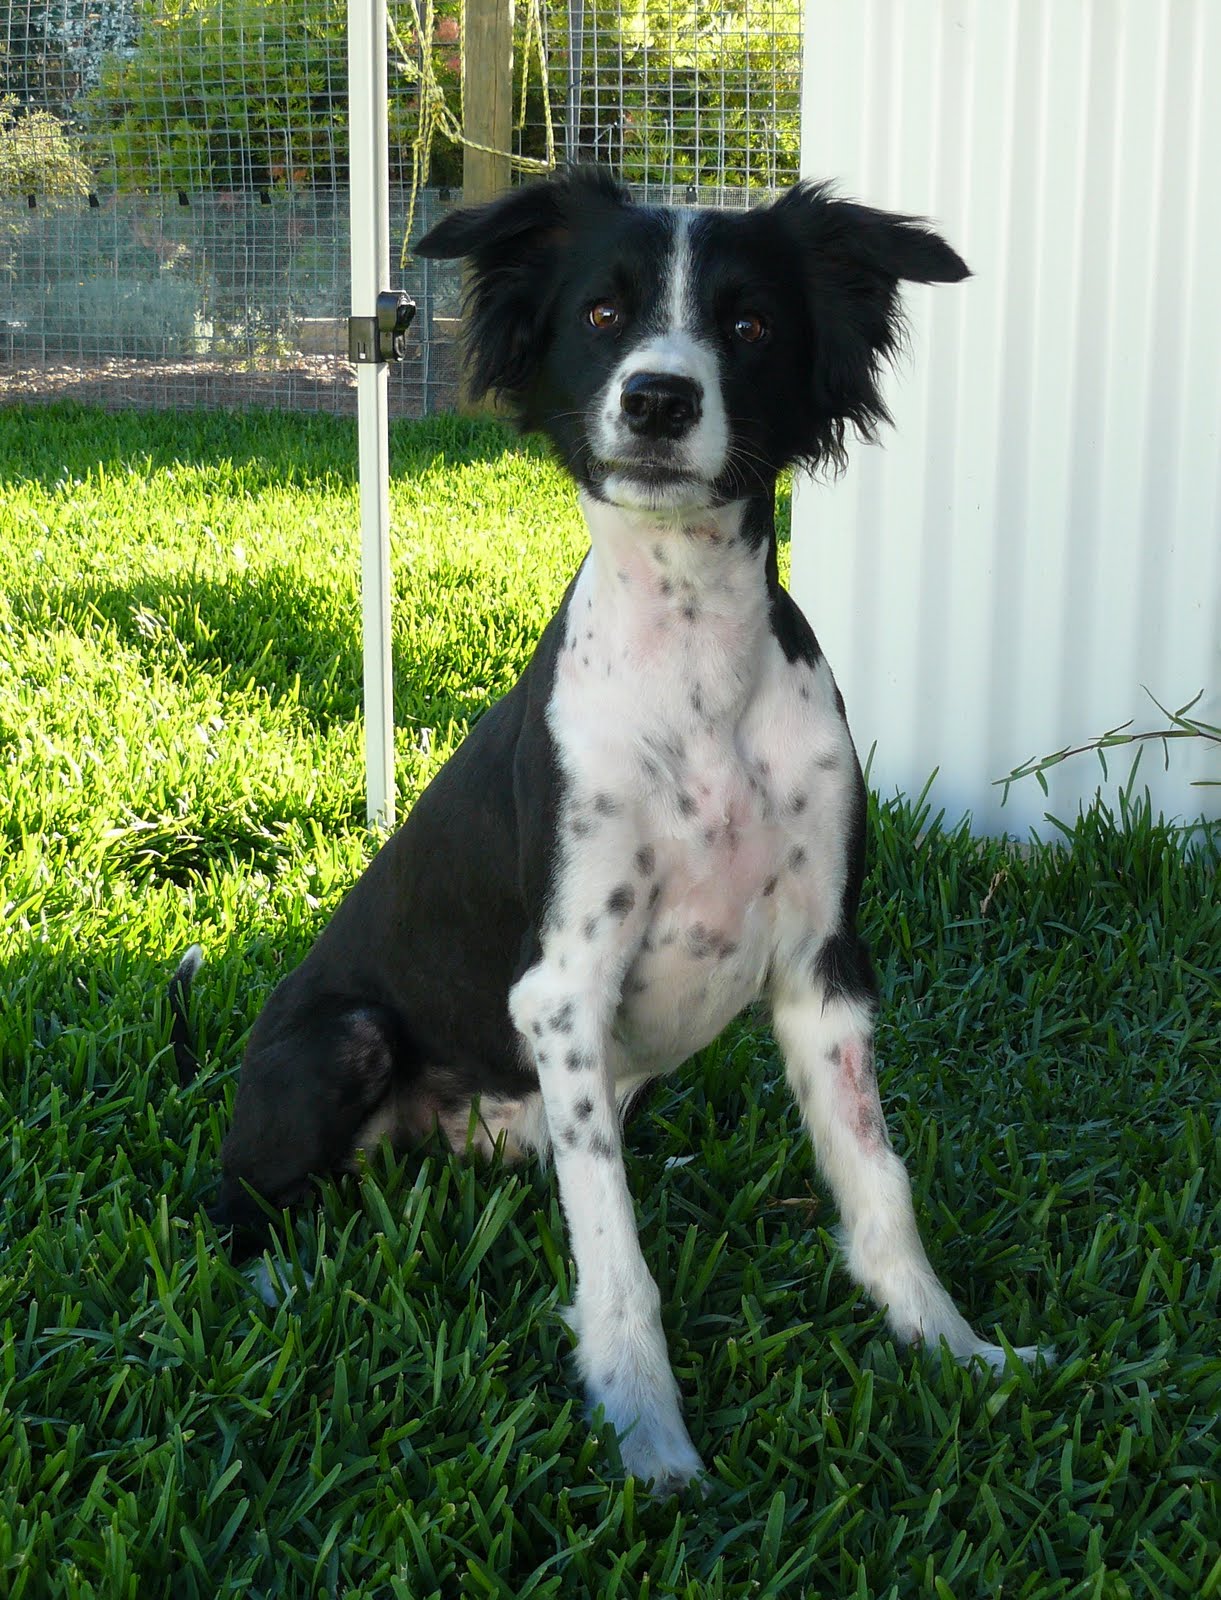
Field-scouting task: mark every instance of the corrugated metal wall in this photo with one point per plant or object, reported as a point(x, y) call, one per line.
point(1040, 534)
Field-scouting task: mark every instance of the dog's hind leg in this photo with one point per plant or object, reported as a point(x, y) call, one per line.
point(309, 1084)
point(824, 1022)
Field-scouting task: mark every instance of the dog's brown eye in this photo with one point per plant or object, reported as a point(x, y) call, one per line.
point(750, 327)
point(604, 315)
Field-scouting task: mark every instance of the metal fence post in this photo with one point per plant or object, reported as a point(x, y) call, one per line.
point(369, 186)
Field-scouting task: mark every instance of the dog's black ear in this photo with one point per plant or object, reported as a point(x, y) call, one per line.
point(854, 259)
point(514, 246)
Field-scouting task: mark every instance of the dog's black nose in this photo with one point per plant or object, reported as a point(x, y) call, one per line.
point(660, 405)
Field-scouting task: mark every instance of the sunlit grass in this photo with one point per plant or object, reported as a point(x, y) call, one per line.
point(180, 759)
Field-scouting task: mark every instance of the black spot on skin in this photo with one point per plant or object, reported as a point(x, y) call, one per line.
point(561, 1020)
point(605, 805)
point(579, 1061)
point(660, 556)
point(541, 1057)
point(804, 691)
point(798, 804)
point(584, 661)
point(646, 860)
point(797, 859)
point(665, 587)
point(601, 1146)
point(570, 1137)
point(584, 1110)
point(697, 701)
point(654, 894)
point(589, 633)
point(536, 1028)
point(582, 827)
point(827, 763)
point(769, 888)
point(700, 943)
point(690, 612)
point(621, 900)
point(686, 804)
point(667, 939)
point(623, 577)
point(833, 1055)
point(710, 835)
point(590, 927)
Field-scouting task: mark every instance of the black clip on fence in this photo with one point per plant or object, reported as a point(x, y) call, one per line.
point(383, 337)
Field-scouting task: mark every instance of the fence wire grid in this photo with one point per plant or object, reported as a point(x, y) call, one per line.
point(173, 175)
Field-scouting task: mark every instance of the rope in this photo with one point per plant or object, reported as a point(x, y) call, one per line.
point(434, 116)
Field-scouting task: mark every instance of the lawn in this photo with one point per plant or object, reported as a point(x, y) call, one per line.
point(180, 759)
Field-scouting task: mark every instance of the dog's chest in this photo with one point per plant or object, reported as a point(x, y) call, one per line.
point(705, 779)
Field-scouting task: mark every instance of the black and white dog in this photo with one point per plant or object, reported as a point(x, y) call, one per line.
point(664, 819)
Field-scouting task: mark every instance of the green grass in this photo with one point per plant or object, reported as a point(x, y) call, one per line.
point(180, 758)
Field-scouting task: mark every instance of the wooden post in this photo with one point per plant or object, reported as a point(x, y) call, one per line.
point(487, 105)
point(487, 96)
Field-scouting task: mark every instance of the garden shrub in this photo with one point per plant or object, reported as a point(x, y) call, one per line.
point(38, 155)
point(710, 91)
point(227, 94)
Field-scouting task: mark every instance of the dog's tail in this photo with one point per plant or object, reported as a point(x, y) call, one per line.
point(180, 1028)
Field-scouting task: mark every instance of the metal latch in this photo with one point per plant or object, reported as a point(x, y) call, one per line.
point(383, 337)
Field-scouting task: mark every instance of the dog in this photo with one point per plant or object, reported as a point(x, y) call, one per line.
point(664, 819)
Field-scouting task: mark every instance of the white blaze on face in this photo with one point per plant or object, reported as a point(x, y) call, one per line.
point(671, 344)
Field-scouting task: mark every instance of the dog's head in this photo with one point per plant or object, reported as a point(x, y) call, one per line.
point(681, 358)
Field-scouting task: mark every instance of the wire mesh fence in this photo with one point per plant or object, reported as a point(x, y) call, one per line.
point(173, 174)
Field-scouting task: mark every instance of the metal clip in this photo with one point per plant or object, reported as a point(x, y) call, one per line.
point(383, 337)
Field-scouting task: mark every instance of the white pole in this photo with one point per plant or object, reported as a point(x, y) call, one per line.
point(369, 185)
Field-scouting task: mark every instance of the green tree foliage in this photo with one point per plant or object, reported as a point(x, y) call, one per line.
point(240, 94)
point(226, 94)
point(51, 51)
point(710, 90)
point(37, 154)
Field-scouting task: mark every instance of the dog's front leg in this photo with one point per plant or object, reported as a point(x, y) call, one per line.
point(826, 1033)
point(564, 1006)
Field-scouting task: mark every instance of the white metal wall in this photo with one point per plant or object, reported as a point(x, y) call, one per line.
point(1040, 534)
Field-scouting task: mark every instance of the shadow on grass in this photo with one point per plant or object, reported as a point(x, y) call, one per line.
point(50, 443)
point(273, 632)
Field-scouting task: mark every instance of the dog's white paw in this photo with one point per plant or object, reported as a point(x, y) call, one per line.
point(653, 1440)
point(274, 1286)
point(997, 1358)
point(658, 1449)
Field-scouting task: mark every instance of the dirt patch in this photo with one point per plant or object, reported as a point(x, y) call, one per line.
point(299, 383)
